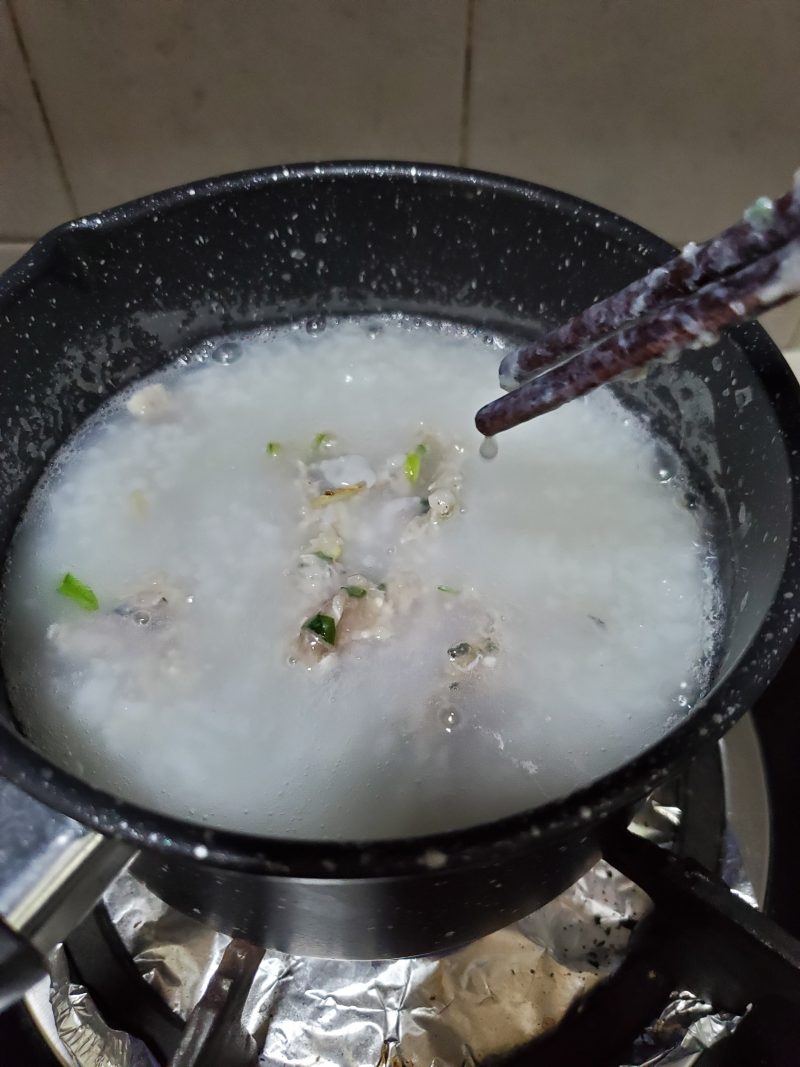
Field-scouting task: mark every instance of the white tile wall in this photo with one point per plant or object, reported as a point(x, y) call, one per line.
point(144, 94)
point(10, 252)
point(32, 195)
point(783, 324)
point(674, 112)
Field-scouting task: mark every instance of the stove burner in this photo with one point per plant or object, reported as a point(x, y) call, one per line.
point(723, 825)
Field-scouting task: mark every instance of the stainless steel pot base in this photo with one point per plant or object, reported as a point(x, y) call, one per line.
point(132, 975)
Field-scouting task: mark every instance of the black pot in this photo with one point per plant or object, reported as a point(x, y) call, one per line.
point(103, 300)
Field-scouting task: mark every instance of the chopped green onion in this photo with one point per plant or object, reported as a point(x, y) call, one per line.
point(320, 440)
point(448, 589)
point(421, 449)
point(355, 590)
point(323, 626)
point(331, 553)
point(412, 466)
point(78, 591)
point(273, 447)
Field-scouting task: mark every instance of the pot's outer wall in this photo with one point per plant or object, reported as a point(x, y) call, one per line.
point(434, 910)
point(102, 301)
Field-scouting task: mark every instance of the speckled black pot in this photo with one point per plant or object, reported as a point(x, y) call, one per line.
point(107, 298)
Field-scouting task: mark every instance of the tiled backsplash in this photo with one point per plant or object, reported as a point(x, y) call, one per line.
point(673, 112)
point(33, 194)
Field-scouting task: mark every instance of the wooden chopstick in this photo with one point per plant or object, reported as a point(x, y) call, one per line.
point(744, 271)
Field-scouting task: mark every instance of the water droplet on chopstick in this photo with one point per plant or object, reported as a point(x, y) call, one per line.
point(488, 448)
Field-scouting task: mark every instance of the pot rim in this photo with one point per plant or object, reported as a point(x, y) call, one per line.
point(438, 853)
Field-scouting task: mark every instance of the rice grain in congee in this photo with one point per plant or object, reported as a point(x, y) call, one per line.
point(280, 591)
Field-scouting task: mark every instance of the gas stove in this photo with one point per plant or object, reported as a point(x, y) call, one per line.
point(584, 981)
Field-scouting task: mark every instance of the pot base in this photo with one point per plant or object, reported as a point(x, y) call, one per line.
point(133, 934)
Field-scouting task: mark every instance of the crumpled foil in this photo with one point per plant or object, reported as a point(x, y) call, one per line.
point(479, 1002)
point(82, 1030)
point(688, 1026)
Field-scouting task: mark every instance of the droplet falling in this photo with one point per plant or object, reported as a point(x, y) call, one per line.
point(488, 448)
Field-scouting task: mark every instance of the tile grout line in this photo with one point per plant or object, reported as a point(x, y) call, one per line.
point(466, 86)
point(26, 59)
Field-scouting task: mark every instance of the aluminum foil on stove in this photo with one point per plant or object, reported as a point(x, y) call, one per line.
point(83, 1032)
point(686, 1028)
point(477, 1003)
point(482, 1000)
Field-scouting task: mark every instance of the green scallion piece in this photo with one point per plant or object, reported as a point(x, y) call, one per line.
point(320, 440)
point(333, 554)
point(323, 626)
point(421, 449)
point(355, 590)
point(448, 589)
point(273, 447)
point(74, 589)
point(412, 465)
